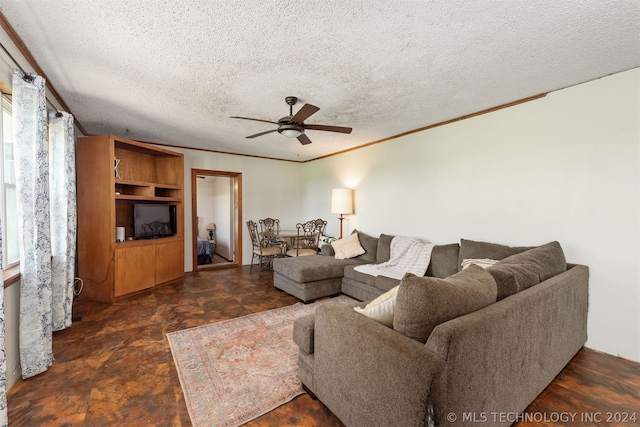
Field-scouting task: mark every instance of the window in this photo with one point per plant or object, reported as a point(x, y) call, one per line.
point(8, 207)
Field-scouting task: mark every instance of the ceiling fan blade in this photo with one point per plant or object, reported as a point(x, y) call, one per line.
point(261, 133)
point(304, 139)
point(328, 128)
point(255, 120)
point(304, 113)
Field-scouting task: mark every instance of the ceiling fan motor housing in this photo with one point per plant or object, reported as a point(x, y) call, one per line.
point(290, 130)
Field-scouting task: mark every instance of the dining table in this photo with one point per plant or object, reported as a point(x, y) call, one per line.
point(286, 237)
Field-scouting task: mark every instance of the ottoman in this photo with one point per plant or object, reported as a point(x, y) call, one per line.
point(311, 277)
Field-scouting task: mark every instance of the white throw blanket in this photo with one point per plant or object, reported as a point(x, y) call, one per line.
point(408, 255)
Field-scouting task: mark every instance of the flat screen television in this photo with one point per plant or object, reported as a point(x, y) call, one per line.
point(153, 220)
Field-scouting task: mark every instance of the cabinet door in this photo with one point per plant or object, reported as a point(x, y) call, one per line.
point(135, 269)
point(169, 261)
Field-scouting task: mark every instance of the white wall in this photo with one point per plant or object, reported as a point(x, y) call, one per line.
point(564, 167)
point(270, 188)
point(205, 206)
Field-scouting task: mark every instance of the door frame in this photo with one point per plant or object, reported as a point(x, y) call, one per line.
point(237, 235)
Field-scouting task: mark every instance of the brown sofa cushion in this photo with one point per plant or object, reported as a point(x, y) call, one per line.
point(313, 267)
point(425, 302)
point(471, 249)
point(370, 245)
point(444, 261)
point(384, 248)
point(521, 271)
point(351, 273)
point(385, 283)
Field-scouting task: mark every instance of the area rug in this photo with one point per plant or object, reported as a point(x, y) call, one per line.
point(236, 370)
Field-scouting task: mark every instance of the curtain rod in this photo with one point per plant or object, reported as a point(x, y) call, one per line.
point(28, 77)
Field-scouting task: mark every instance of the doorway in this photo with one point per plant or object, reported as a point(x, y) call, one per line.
point(217, 215)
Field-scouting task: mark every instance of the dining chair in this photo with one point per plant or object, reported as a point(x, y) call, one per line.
point(321, 225)
point(269, 229)
point(264, 253)
point(306, 242)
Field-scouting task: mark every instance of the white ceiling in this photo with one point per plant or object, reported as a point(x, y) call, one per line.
point(174, 72)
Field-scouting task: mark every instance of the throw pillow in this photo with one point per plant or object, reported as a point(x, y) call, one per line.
point(423, 303)
point(483, 262)
point(521, 271)
point(444, 260)
point(370, 245)
point(384, 248)
point(471, 249)
point(381, 309)
point(349, 247)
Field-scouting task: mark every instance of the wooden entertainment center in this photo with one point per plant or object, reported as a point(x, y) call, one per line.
point(106, 195)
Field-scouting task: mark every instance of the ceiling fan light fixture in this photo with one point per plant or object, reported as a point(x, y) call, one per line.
point(293, 126)
point(290, 131)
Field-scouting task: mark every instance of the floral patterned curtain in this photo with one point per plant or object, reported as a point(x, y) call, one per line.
point(3, 352)
point(32, 187)
point(62, 188)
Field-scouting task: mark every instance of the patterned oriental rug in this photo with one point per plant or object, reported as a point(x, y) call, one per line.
point(236, 370)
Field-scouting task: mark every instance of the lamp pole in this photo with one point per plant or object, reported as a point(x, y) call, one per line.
point(341, 218)
point(341, 203)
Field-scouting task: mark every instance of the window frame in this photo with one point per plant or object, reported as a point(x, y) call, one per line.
point(11, 270)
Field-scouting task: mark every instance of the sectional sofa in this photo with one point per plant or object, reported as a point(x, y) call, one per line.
point(475, 346)
point(316, 276)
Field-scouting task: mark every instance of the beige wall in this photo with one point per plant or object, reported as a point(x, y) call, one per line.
point(565, 167)
point(270, 188)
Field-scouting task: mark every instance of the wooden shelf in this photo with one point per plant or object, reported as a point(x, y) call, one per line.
point(145, 198)
point(146, 184)
point(146, 174)
point(145, 242)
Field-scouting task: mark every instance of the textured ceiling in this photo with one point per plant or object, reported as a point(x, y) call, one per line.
point(173, 72)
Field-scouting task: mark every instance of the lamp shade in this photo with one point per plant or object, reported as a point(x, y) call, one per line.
point(341, 201)
point(211, 226)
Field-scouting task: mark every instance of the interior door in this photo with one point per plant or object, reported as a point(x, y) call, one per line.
point(216, 200)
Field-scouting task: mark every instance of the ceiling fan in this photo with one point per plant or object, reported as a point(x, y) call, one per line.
point(293, 126)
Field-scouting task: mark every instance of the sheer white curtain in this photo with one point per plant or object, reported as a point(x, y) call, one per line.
point(62, 188)
point(32, 186)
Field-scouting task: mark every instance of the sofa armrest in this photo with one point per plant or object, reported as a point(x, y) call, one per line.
point(499, 358)
point(368, 374)
point(303, 328)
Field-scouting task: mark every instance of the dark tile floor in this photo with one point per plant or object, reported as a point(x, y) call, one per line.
point(114, 366)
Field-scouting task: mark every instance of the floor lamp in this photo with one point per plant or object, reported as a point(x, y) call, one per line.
point(341, 203)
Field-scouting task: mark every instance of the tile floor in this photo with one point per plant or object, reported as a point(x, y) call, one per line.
point(114, 366)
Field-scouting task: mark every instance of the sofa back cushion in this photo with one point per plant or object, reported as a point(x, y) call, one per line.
point(478, 250)
point(521, 271)
point(370, 245)
point(384, 248)
point(444, 261)
point(423, 303)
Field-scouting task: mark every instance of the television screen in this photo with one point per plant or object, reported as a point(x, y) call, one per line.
point(153, 220)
